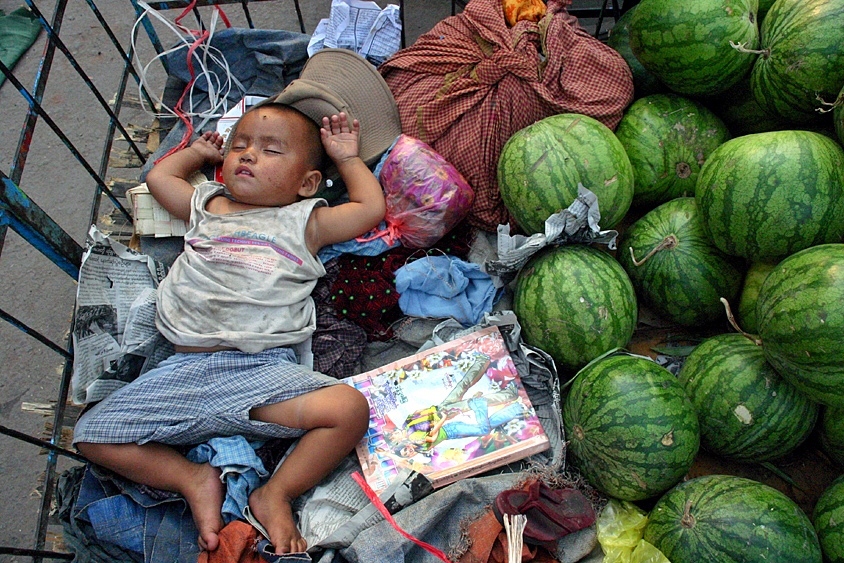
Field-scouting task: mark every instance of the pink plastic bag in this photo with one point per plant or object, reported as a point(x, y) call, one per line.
point(426, 196)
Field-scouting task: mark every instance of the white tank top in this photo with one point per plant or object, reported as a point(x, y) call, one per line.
point(244, 279)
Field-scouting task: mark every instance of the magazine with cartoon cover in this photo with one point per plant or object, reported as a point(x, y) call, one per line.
point(449, 412)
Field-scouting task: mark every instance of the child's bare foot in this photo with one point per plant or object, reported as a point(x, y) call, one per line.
point(205, 498)
point(274, 512)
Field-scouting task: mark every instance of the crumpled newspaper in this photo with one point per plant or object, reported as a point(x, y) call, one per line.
point(360, 26)
point(576, 224)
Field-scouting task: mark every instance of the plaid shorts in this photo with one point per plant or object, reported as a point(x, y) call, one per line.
point(191, 398)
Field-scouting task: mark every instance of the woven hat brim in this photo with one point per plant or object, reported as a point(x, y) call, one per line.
point(335, 80)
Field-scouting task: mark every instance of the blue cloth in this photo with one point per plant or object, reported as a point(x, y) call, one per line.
point(372, 247)
point(444, 286)
point(122, 514)
point(242, 470)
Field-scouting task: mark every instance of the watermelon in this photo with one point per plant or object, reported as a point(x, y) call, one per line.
point(575, 302)
point(667, 138)
point(767, 195)
point(803, 58)
point(675, 269)
point(828, 517)
point(832, 433)
point(727, 519)
point(747, 412)
point(753, 280)
point(633, 432)
point(687, 44)
point(764, 6)
point(541, 165)
point(644, 82)
point(741, 113)
point(838, 116)
point(800, 312)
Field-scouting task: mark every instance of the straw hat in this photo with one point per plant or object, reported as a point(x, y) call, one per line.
point(335, 80)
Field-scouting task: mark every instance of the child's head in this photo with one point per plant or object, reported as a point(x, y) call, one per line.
point(274, 157)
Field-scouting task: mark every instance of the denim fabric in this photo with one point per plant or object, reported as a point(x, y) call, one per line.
point(443, 287)
point(121, 514)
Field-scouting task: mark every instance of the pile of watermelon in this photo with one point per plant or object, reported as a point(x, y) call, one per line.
point(725, 180)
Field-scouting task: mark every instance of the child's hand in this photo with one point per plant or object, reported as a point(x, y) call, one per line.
point(340, 140)
point(209, 146)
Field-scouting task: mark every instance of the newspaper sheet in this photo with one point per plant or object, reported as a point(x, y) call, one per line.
point(362, 27)
point(114, 334)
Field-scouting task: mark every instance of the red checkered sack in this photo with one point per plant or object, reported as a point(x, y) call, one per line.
point(471, 82)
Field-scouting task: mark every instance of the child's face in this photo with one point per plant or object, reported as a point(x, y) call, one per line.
point(267, 163)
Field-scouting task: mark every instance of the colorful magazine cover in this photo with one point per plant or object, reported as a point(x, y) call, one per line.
point(449, 412)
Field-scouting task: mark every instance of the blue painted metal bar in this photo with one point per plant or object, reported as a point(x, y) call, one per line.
point(23, 327)
point(32, 223)
point(54, 38)
point(40, 83)
point(34, 105)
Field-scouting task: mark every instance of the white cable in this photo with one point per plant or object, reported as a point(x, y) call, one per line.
point(217, 91)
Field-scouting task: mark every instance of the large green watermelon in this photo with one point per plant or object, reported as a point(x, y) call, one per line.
point(828, 517)
point(727, 519)
point(541, 165)
point(668, 138)
point(803, 60)
point(675, 268)
point(800, 312)
point(575, 302)
point(753, 280)
point(767, 195)
point(687, 44)
point(832, 433)
point(838, 116)
point(747, 412)
point(741, 113)
point(644, 82)
point(633, 432)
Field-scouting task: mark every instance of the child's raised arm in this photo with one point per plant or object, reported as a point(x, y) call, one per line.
point(168, 179)
point(366, 205)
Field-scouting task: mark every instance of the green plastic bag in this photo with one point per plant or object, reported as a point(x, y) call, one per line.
point(621, 525)
point(18, 32)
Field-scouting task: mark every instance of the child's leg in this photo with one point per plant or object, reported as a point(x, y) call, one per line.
point(162, 467)
point(336, 418)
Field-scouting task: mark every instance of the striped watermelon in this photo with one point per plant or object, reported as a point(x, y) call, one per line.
point(764, 6)
point(767, 195)
point(747, 412)
point(575, 303)
point(753, 280)
point(633, 432)
point(644, 82)
point(667, 138)
point(828, 517)
point(832, 433)
point(541, 165)
point(687, 44)
point(741, 113)
point(803, 58)
point(838, 116)
point(800, 312)
point(727, 519)
point(677, 271)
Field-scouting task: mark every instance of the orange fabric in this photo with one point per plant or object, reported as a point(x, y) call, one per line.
point(237, 545)
point(518, 10)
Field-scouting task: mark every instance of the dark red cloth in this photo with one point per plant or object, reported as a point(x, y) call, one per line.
point(471, 82)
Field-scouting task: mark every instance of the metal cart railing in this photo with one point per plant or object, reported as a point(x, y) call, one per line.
point(100, 141)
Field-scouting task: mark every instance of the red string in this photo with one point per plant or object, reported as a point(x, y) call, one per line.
point(389, 517)
point(201, 37)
